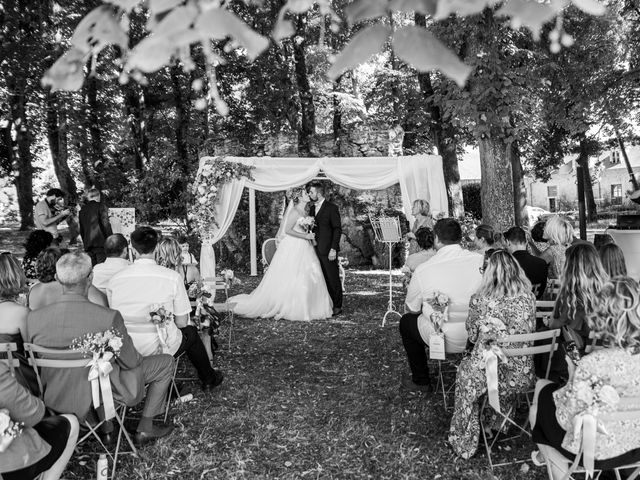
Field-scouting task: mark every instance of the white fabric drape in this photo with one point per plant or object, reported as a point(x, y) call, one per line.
point(419, 176)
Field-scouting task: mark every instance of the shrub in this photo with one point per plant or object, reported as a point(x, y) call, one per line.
point(472, 199)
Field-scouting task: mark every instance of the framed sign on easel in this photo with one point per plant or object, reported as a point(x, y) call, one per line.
point(123, 220)
point(387, 230)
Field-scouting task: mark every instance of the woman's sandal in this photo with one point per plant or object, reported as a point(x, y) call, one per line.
point(538, 459)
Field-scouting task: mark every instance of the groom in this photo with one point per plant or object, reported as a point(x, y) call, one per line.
point(328, 230)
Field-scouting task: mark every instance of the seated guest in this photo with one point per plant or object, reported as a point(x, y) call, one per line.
point(599, 379)
point(422, 213)
point(485, 238)
point(137, 289)
point(36, 242)
point(613, 260)
point(48, 290)
point(452, 271)
point(45, 445)
point(583, 278)
point(424, 238)
point(169, 255)
point(559, 233)
point(534, 268)
point(504, 296)
point(72, 316)
point(13, 317)
point(537, 243)
point(117, 251)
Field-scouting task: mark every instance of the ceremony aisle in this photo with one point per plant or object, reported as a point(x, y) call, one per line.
point(313, 400)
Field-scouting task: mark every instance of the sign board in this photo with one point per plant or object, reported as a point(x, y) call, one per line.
point(123, 220)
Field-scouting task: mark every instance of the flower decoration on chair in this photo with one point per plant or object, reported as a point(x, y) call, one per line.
point(161, 318)
point(230, 277)
point(210, 180)
point(491, 332)
point(439, 306)
point(103, 347)
point(9, 429)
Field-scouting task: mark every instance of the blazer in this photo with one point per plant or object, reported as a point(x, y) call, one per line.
point(94, 225)
point(55, 326)
point(328, 228)
point(535, 268)
point(28, 448)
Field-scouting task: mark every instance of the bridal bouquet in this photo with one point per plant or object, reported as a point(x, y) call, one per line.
point(439, 303)
point(8, 429)
point(103, 347)
point(306, 223)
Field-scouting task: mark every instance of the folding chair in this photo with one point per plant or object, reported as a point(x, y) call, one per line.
point(269, 247)
point(544, 308)
point(221, 284)
point(518, 352)
point(6, 355)
point(594, 343)
point(35, 351)
point(561, 468)
point(173, 387)
point(452, 361)
point(553, 287)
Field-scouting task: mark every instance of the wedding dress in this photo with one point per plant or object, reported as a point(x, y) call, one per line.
point(293, 286)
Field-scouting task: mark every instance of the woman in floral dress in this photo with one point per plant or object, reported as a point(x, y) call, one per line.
point(503, 305)
point(600, 383)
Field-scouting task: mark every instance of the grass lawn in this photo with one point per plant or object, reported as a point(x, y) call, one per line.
point(312, 400)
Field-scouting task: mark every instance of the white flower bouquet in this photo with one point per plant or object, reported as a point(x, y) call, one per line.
point(230, 277)
point(8, 429)
point(161, 318)
point(306, 223)
point(103, 347)
point(439, 306)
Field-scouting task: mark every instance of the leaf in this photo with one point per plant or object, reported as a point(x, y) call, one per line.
point(424, 52)
point(219, 23)
point(67, 73)
point(360, 48)
point(531, 14)
point(151, 54)
point(462, 7)
point(160, 6)
point(126, 5)
point(365, 10)
point(177, 21)
point(97, 29)
point(592, 7)
point(425, 7)
point(283, 29)
point(298, 6)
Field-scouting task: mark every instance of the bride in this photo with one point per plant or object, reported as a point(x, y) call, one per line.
point(293, 287)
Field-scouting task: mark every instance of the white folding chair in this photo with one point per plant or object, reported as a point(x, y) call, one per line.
point(269, 247)
point(561, 468)
point(553, 287)
point(6, 355)
point(447, 366)
point(544, 309)
point(220, 284)
point(37, 362)
point(594, 343)
point(530, 338)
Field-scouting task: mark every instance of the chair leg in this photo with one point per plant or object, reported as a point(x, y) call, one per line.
point(172, 388)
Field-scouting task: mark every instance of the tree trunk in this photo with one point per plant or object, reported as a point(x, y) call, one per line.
point(583, 161)
point(24, 179)
point(308, 123)
point(623, 150)
point(444, 139)
point(497, 183)
point(133, 108)
point(95, 133)
point(182, 121)
point(58, 146)
point(519, 189)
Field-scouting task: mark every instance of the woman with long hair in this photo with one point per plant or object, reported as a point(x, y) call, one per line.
point(612, 260)
point(169, 254)
point(559, 234)
point(582, 280)
point(601, 381)
point(36, 242)
point(421, 210)
point(503, 305)
point(48, 290)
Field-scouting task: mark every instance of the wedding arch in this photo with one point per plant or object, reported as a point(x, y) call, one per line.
point(419, 176)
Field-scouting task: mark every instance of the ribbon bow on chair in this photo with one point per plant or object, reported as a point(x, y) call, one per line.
point(100, 368)
point(490, 358)
point(585, 427)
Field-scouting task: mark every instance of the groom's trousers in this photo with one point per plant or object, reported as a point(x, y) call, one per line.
point(332, 277)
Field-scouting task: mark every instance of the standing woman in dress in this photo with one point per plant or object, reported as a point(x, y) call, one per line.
point(422, 213)
point(559, 233)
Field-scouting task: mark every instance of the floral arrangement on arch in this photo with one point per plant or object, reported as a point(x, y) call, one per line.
point(211, 178)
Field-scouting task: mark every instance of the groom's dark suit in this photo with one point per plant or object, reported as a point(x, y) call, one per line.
point(328, 230)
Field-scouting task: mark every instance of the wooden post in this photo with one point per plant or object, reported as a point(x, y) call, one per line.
point(252, 232)
point(581, 204)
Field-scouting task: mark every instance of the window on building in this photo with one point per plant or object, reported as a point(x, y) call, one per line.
point(615, 156)
point(552, 191)
point(553, 206)
point(552, 194)
point(616, 194)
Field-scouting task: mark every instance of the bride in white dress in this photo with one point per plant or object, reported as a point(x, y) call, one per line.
point(293, 286)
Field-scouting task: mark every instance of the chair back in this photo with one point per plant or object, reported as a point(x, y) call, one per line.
point(269, 247)
point(549, 348)
point(34, 353)
point(553, 287)
point(544, 308)
point(594, 343)
point(8, 349)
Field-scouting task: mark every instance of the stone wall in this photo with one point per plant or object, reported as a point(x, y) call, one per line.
point(357, 244)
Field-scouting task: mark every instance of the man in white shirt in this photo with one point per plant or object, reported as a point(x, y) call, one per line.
point(144, 286)
point(454, 272)
point(45, 215)
point(117, 251)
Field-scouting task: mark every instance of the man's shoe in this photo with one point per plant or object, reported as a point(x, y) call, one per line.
point(156, 432)
point(408, 383)
point(336, 312)
point(217, 380)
